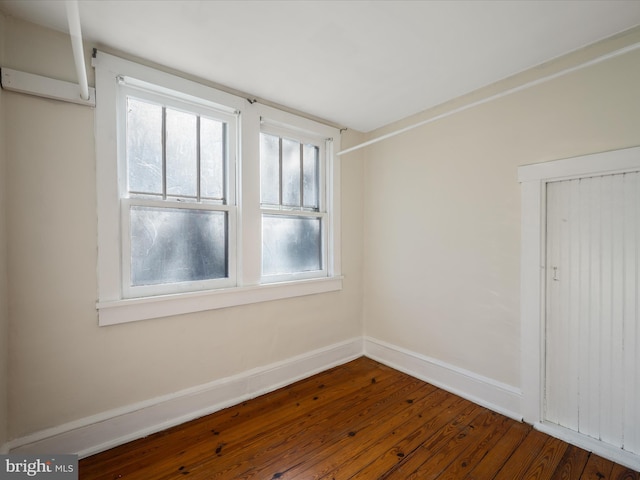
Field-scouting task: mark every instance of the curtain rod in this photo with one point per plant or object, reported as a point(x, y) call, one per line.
point(524, 86)
point(73, 19)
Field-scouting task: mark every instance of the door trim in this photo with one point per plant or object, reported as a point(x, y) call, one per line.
point(533, 179)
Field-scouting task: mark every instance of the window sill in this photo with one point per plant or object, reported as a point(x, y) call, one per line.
point(131, 310)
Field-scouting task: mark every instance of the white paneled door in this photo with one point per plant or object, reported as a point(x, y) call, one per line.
point(592, 347)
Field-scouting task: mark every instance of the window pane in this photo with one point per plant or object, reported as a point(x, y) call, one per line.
point(290, 173)
point(290, 244)
point(212, 153)
point(310, 176)
point(170, 245)
point(182, 163)
point(144, 146)
point(269, 169)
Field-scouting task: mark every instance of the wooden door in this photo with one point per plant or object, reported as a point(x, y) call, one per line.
point(592, 328)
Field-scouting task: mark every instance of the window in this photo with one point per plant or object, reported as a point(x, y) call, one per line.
point(206, 200)
point(292, 202)
point(178, 210)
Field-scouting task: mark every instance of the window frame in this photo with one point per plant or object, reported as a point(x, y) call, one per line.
point(290, 211)
point(131, 88)
point(249, 286)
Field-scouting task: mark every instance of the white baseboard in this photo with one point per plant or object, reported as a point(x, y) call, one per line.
point(496, 396)
point(623, 457)
point(100, 432)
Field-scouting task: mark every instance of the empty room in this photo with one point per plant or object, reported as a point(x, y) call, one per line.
point(320, 239)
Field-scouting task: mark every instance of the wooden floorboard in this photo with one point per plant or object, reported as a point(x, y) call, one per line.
point(361, 420)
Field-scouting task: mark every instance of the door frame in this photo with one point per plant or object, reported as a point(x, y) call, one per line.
point(533, 179)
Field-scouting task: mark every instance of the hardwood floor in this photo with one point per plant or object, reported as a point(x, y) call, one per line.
point(359, 420)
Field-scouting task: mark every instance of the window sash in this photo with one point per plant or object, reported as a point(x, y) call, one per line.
point(229, 118)
point(134, 291)
point(323, 271)
point(165, 157)
point(277, 166)
point(303, 138)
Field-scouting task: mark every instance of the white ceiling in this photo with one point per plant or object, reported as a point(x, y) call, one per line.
point(360, 64)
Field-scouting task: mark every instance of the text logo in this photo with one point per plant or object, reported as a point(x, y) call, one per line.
point(50, 467)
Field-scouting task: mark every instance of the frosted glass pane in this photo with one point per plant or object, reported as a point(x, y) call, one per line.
point(212, 151)
point(144, 146)
point(310, 176)
point(290, 244)
point(290, 173)
point(177, 245)
point(182, 162)
point(269, 169)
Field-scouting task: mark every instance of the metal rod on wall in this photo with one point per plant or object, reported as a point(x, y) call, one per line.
point(519, 88)
point(73, 18)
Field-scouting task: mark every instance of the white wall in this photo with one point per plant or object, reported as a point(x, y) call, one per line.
point(432, 218)
point(4, 307)
point(63, 367)
point(442, 217)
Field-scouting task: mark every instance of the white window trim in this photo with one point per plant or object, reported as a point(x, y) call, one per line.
point(112, 307)
point(130, 310)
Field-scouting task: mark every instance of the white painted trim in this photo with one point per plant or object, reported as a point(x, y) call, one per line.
point(499, 397)
point(532, 268)
point(603, 163)
point(100, 432)
point(534, 179)
point(628, 459)
point(133, 309)
point(40, 86)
